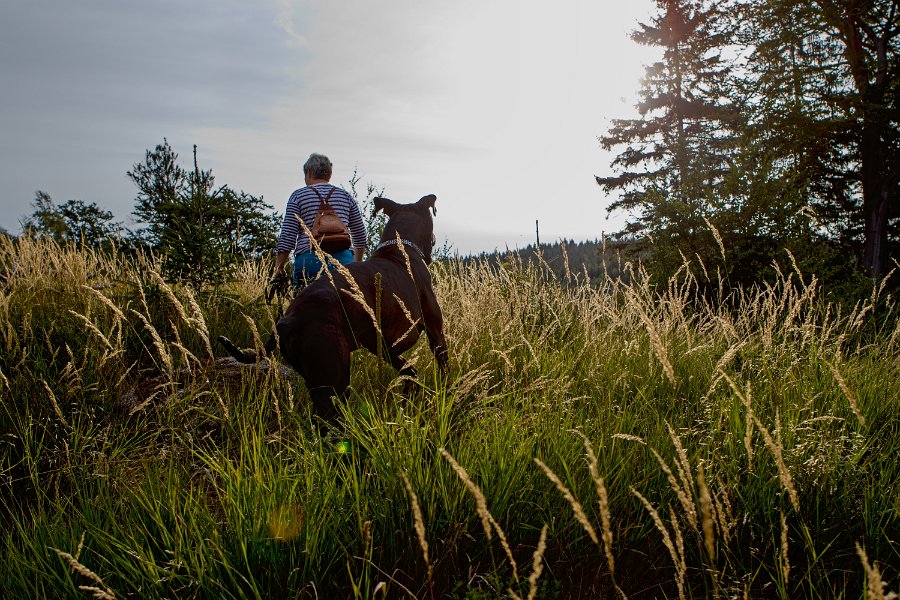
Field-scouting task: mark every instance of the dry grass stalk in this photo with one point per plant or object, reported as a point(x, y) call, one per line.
point(630, 438)
point(164, 355)
point(874, 584)
point(783, 474)
point(681, 566)
point(667, 539)
point(409, 318)
point(894, 336)
point(706, 512)
point(480, 500)
point(93, 328)
point(274, 328)
point(53, 401)
point(199, 323)
point(170, 293)
point(186, 355)
point(418, 522)
point(102, 592)
point(655, 338)
point(150, 398)
point(4, 379)
point(537, 567)
point(80, 545)
point(257, 339)
point(851, 398)
point(222, 404)
point(683, 465)
point(317, 249)
point(729, 355)
point(746, 399)
point(487, 519)
point(98, 593)
point(402, 248)
point(290, 395)
point(277, 407)
point(534, 357)
point(567, 494)
point(717, 236)
point(603, 500)
point(356, 294)
point(471, 379)
point(684, 496)
point(725, 515)
point(106, 302)
point(785, 563)
point(506, 548)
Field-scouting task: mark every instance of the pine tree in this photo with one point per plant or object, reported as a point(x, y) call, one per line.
point(161, 184)
point(200, 230)
point(677, 152)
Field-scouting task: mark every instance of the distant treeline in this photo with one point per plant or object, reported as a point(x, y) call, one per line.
point(588, 261)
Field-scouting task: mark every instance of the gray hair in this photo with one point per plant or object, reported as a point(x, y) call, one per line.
point(318, 166)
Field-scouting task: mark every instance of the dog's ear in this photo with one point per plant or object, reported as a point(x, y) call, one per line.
point(385, 205)
point(428, 202)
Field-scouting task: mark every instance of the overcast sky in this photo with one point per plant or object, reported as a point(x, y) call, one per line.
point(494, 106)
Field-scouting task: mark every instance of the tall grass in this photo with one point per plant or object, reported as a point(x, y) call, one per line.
point(616, 440)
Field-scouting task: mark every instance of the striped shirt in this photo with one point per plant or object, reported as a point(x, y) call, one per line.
point(304, 203)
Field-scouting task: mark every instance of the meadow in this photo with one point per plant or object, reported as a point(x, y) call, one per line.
point(605, 440)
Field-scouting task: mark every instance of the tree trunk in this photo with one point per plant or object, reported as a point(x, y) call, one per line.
point(867, 51)
point(875, 256)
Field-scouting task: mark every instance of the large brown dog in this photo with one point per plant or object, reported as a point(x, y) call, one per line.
point(327, 320)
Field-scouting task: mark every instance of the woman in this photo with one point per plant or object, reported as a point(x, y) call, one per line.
point(302, 205)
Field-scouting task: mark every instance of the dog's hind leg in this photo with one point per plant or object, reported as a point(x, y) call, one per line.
point(438, 344)
point(434, 330)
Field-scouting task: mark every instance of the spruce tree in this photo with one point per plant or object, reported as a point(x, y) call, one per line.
point(676, 154)
point(201, 231)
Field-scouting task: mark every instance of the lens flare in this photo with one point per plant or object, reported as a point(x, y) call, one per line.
point(285, 523)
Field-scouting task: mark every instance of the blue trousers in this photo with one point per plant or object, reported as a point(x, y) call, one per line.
point(307, 265)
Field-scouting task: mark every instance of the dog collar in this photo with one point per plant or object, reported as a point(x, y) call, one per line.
point(393, 242)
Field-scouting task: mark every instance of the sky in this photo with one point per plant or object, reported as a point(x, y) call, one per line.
point(494, 106)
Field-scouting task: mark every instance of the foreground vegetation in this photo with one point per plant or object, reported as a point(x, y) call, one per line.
point(591, 441)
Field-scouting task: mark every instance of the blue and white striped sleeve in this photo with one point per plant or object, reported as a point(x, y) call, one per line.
point(290, 228)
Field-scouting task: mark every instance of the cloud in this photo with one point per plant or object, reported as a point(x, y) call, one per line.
point(88, 86)
point(285, 20)
point(494, 110)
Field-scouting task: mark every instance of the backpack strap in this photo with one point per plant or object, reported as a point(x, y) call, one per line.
point(326, 198)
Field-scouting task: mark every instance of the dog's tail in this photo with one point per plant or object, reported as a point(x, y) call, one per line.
point(247, 357)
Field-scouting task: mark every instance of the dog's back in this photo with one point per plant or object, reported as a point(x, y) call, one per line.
point(382, 289)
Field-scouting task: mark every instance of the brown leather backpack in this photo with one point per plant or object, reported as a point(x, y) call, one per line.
point(328, 229)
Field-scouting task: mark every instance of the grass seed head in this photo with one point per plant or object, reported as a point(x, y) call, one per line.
point(567, 494)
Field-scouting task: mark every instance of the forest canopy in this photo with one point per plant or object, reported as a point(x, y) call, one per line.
point(763, 127)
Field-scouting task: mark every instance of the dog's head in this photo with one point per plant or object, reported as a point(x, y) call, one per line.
point(411, 222)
